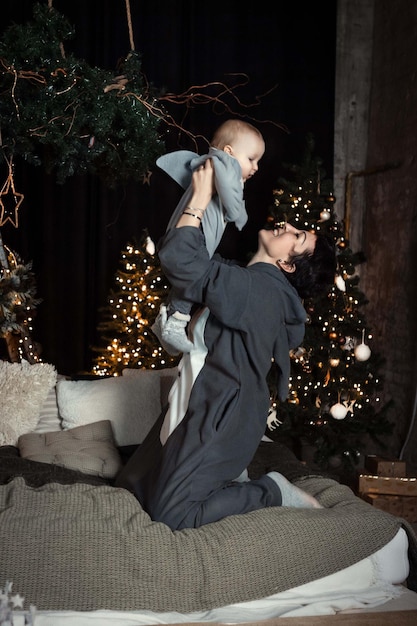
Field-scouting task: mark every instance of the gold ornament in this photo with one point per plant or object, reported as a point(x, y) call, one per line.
point(293, 399)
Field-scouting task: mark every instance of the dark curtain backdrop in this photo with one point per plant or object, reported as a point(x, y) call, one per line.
point(74, 232)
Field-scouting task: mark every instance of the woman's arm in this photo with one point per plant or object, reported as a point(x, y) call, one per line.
point(202, 182)
point(187, 265)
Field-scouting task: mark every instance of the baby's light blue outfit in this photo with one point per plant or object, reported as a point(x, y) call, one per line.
point(227, 205)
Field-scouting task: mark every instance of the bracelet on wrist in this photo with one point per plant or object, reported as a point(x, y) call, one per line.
point(192, 215)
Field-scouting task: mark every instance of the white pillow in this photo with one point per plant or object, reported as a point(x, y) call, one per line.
point(132, 404)
point(23, 390)
point(166, 375)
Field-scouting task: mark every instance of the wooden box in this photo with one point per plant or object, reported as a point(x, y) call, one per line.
point(401, 506)
point(390, 485)
point(381, 466)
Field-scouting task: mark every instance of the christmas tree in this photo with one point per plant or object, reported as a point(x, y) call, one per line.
point(131, 309)
point(18, 303)
point(333, 403)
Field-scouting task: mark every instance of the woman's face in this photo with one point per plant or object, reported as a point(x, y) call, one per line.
point(286, 242)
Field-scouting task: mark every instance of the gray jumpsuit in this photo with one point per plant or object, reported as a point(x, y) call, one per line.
point(255, 315)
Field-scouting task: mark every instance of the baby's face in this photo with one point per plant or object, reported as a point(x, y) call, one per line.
point(248, 150)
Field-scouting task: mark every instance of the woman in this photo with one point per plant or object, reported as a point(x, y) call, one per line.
point(219, 404)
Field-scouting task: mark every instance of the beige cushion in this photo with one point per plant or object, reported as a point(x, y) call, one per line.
point(23, 391)
point(89, 449)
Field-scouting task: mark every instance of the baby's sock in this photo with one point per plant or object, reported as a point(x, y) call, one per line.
point(292, 495)
point(157, 328)
point(171, 331)
point(174, 333)
point(243, 477)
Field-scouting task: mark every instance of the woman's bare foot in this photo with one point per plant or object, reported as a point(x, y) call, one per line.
point(292, 495)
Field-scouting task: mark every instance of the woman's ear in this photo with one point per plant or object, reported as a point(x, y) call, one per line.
point(286, 266)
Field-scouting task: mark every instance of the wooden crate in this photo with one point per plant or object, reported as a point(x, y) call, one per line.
point(401, 506)
point(380, 466)
point(390, 485)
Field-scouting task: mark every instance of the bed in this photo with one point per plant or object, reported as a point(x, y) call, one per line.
point(81, 550)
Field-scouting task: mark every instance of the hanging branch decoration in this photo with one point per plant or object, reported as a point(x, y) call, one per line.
point(58, 111)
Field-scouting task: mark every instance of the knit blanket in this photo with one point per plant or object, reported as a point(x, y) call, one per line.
point(82, 547)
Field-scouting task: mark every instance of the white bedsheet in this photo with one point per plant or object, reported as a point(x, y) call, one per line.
point(365, 585)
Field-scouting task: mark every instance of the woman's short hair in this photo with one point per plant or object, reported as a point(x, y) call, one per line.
point(314, 272)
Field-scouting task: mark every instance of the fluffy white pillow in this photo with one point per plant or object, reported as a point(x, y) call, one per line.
point(23, 390)
point(132, 404)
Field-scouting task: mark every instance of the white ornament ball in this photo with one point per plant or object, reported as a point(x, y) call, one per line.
point(338, 411)
point(150, 246)
point(362, 352)
point(325, 215)
point(340, 283)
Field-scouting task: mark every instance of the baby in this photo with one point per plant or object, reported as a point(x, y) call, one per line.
point(235, 150)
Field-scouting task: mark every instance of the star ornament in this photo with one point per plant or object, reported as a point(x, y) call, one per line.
point(17, 601)
point(10, 201)
point(146, 178)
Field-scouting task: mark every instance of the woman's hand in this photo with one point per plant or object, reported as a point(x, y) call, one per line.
point(203, 185)
point(203, 188)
